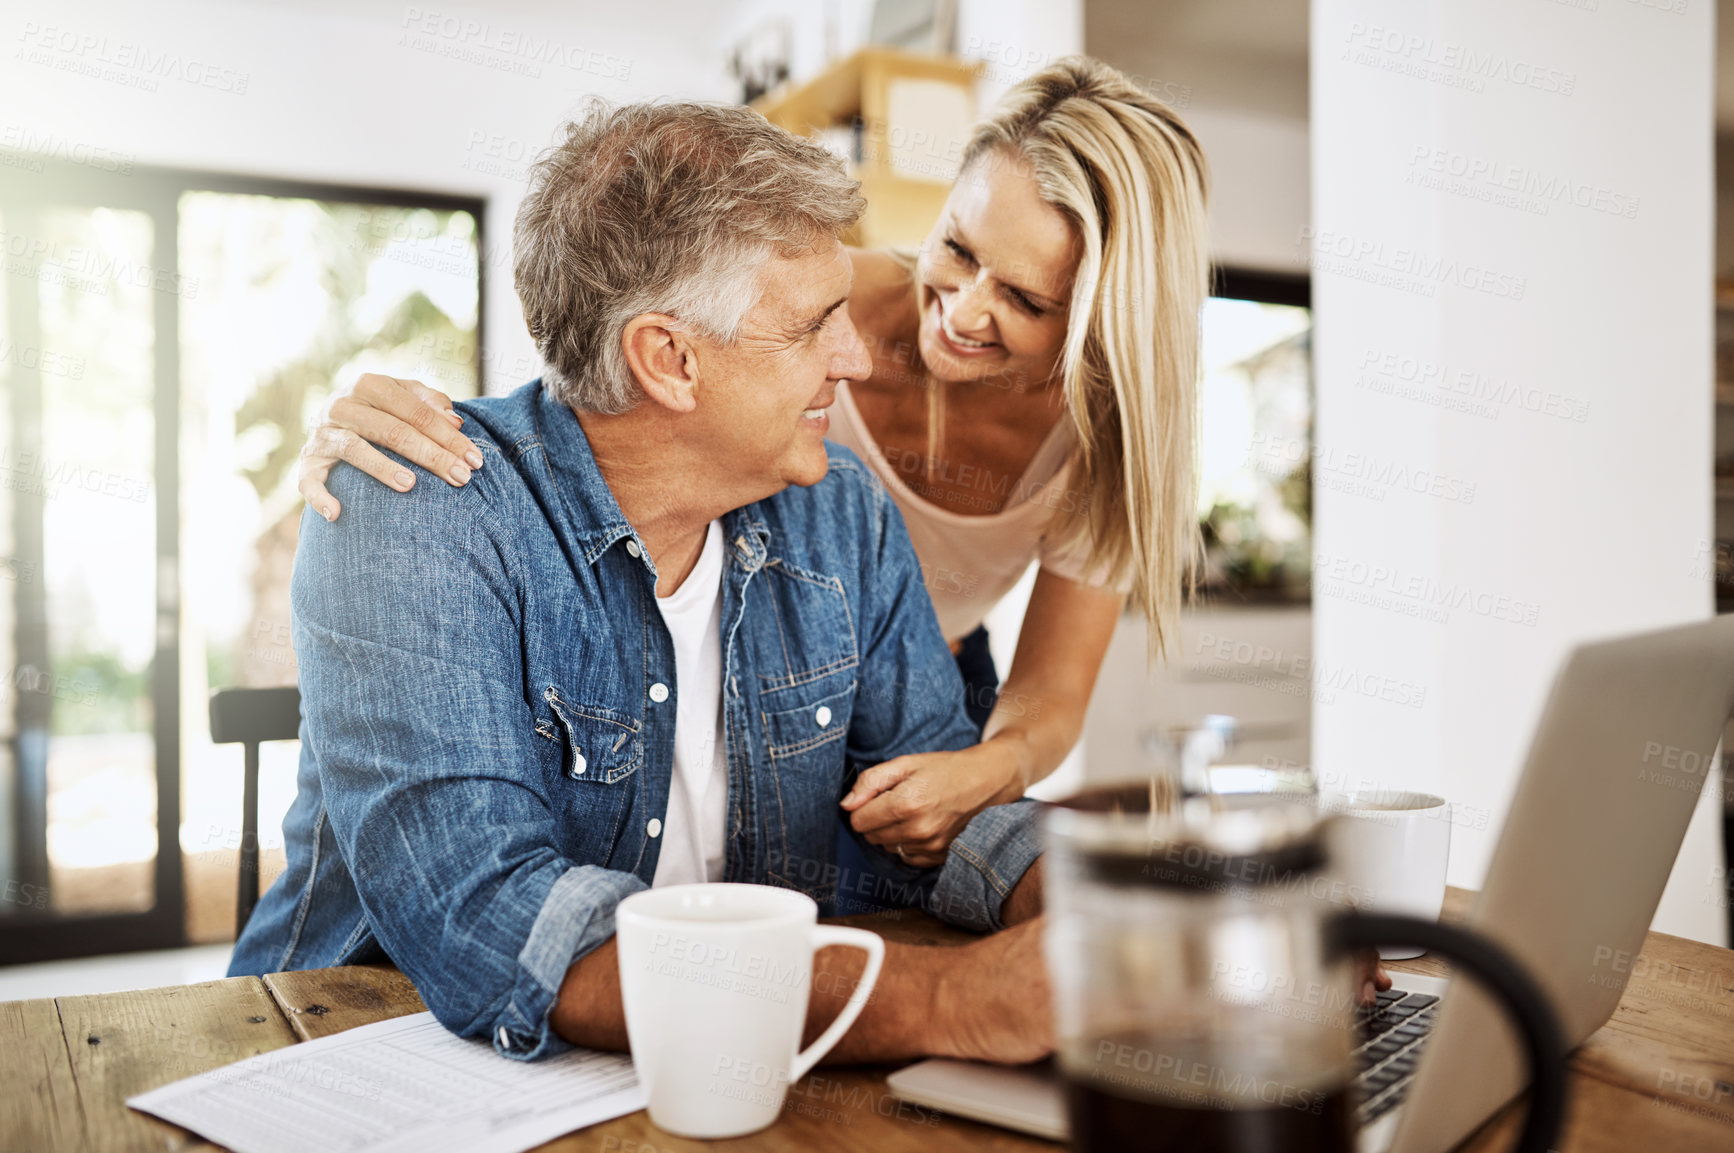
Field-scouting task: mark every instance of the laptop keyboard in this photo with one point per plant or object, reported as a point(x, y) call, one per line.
point(1392, 1033)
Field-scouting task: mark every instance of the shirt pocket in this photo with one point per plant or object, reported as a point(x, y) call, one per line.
point(603, 746)
point(809, 634)
point(806, 721)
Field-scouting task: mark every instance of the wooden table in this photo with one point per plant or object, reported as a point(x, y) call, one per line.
point(1658, 1077)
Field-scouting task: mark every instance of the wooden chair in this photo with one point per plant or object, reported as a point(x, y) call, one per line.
point(249, 717)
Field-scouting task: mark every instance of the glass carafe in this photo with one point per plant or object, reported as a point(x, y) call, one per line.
point(1204, 980)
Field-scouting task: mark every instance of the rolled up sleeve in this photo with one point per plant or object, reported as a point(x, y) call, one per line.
point(576, 916)
point(435, 789)
point(986, 862)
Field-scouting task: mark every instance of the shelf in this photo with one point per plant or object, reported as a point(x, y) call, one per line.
point(905, 154)
point(854, 87)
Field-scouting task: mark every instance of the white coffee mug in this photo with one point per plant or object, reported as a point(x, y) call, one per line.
point(714, 978)
point(1388, 853)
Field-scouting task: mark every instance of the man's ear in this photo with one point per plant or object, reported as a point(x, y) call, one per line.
point(661, 355)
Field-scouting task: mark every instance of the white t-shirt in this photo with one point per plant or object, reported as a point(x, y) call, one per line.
point(693, 833)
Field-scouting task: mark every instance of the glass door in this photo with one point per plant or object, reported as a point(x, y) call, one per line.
point(165, 339)
point(91, 619)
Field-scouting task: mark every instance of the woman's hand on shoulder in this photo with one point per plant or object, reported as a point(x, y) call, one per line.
point(406, 416)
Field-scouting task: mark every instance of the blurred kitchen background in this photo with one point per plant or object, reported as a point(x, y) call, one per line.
point(251, 200)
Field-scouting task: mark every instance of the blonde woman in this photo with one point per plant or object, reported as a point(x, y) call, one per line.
point(1032, 399)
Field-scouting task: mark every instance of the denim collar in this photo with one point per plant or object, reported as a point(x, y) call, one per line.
point(598, 523)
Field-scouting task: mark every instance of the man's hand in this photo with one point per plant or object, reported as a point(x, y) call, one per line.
point(988, 998)
point(1370, 976)
point(992, 1003)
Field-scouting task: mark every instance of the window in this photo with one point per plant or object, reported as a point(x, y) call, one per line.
point(1255, 438)
point(166, 338)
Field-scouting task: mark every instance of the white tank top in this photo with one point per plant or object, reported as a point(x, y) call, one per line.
point(970, 561)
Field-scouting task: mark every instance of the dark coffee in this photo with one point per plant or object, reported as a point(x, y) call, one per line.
point(1127, 1092)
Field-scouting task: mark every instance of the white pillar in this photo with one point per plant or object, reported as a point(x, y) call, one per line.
point(1013, 38)
point(1511, 245)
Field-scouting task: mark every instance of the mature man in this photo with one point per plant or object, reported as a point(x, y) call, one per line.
point(652, 641)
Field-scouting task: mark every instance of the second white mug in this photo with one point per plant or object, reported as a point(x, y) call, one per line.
point(1389, 849)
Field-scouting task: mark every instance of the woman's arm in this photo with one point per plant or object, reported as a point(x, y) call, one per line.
point(406, 416)
point(921, 802)
point(1041, 706)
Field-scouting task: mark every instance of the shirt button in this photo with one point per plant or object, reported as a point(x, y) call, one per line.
point(654, 828)
point(823, 716)
point(659, 692)
point(632, 547)
point(505, 1038)
point(579, 764)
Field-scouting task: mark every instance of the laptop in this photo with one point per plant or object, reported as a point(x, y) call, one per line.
point(1434, 1059)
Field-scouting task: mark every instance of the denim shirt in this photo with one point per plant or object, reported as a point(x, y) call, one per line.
point(488, 704)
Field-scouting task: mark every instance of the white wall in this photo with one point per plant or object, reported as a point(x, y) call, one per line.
point(1260, 197)
point(440, 97)
point(819, 31)
point(1012, 38)
point(1236, 72)
point(1574, 528)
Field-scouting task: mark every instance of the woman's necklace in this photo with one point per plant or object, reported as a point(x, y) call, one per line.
point(935, 424)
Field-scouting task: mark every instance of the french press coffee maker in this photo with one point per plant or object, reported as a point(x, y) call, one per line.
point(1203, 977)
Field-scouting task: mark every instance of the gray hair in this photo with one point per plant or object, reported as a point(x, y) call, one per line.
point(669, 208)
